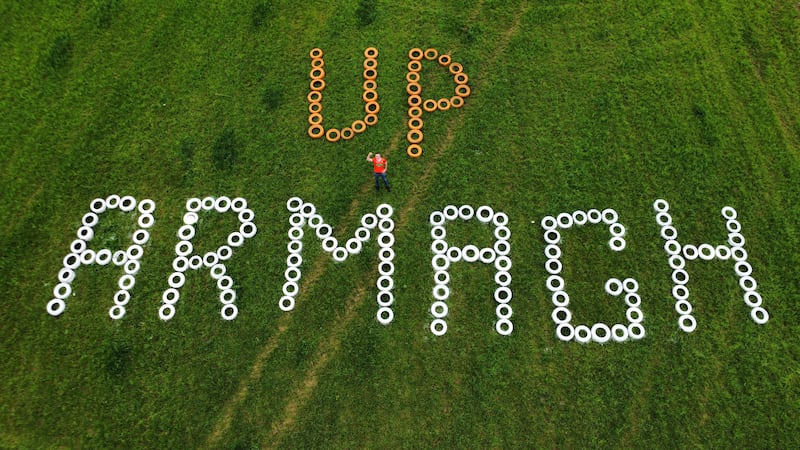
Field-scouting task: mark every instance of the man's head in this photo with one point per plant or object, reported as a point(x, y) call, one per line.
point(378, 155)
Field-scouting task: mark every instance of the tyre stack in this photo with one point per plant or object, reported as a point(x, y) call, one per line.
point(81, 255)
point(444, 255)
point(316, 129)
point(416, 105)
point(600, 333)
point(186, 259)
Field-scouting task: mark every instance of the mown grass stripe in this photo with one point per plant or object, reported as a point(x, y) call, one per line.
point(331, 344)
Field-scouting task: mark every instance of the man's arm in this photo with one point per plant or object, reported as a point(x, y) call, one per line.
point(369, 157)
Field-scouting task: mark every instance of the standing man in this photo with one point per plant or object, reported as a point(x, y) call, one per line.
point(379, 165)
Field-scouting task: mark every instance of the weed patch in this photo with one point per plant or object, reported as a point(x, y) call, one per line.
point(223, 152)
point(104, 12)
point(117, 360)
point(271, 98)
point(707, 133)
point(186, 149)
point(366, 12)
point(59, 54)
point(261, 15)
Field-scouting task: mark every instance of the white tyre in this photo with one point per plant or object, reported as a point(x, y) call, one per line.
point(294, 204)
point(166, 312)
point(687, 323)
point(122, 298)
point(613, 287)
point(385, 315)
point(661, 205)
point(147, 206)
point(98, 206)
point(560, 298)
point(503, 311)
point(564, 221)
point(561, 315)
point(636, 331)
point(385, 298)
point(439, 309)
point(565, 332)
point(103, 257)
point(171, 296)
point(610, 216)
point(759, 315)
point(126, 282)
point(286, 303)
point(438, 327)
point(116, 312)
point(619, 333)
point(56, 306)
point(583, 334)
point(229, 311)
point(503, 294)
point(504, 327)
point(190, 218)
point(601, 333)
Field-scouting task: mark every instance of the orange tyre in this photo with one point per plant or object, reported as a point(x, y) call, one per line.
point(333, 135)
point(315, 107)
point(414, 151)
point(369, 96)
point(455, 68)
point(462, 90)
point(414, 100)
point(314, 97)
point(316, 131)
point(456, 102)
point(415, 111)
point(414, 66)
point(443, 104)
point(370, 63)
point(317, 85)
point(347, 133)
point(370, 85)
point(371, 52)
point(445, 60)
point(370, 74)
point(414, 136)
point(317, 74)
point(315, 53)
point(371, 119)
point(429, 105)
point(412, 77)
point(372, 107)
point(413, 88)
point(431, 54)
point(415, 54)
point(461, 78)
point(415, 123)
point(359, 126)
point(317, 63)
point(314, 119)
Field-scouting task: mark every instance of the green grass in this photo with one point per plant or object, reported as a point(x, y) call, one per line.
point(574, 105)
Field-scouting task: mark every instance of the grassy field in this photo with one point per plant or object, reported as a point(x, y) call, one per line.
point(574, 105)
